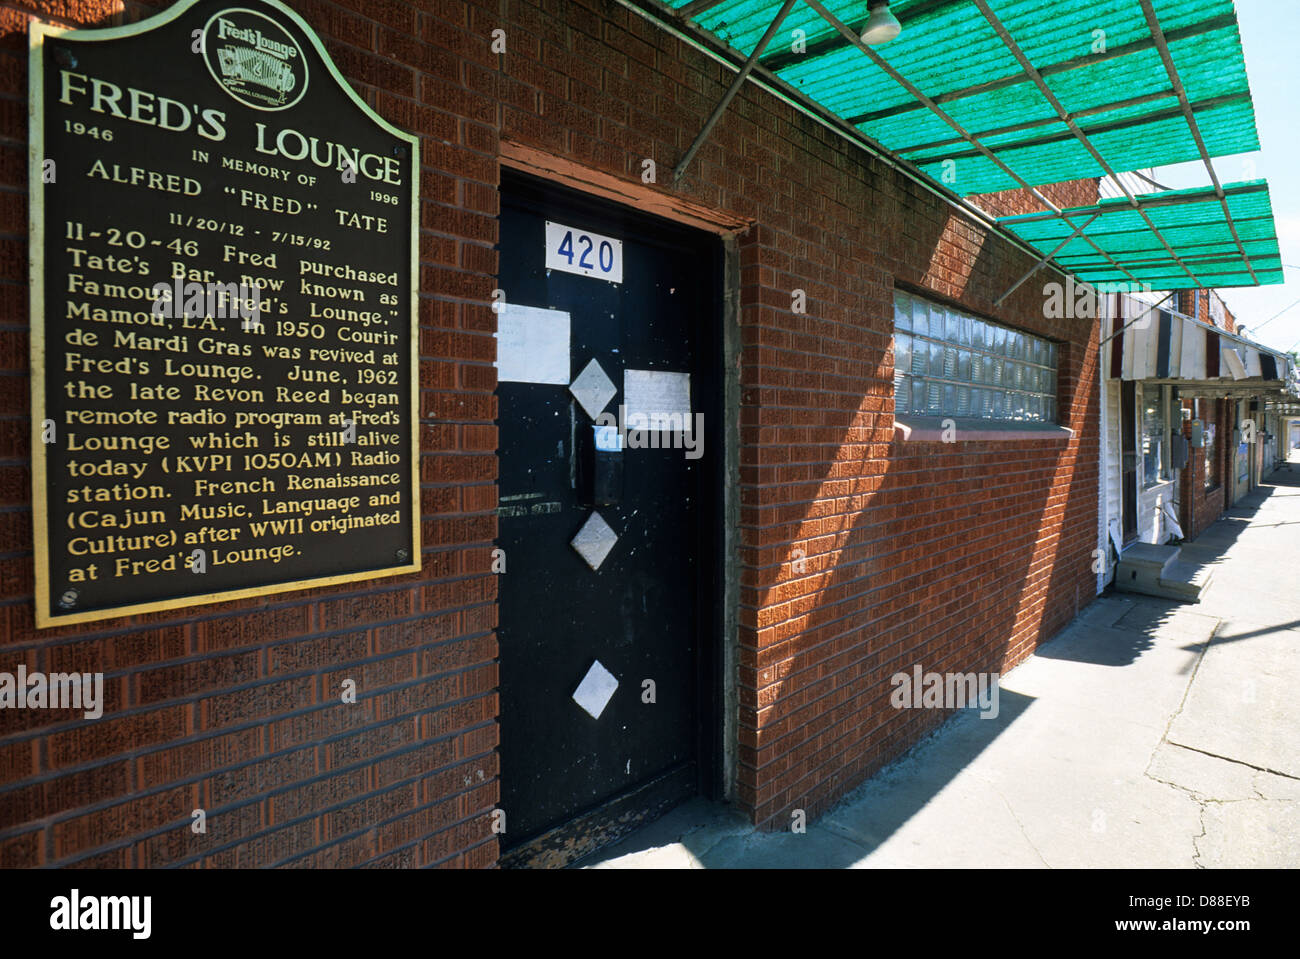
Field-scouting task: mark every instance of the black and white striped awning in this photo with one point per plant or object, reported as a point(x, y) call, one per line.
point(1154, 344)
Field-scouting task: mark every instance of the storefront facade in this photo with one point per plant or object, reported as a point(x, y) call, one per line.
point(901, 468)
point(1187, 429)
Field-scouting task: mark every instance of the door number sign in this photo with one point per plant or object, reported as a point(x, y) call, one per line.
point(582, 252)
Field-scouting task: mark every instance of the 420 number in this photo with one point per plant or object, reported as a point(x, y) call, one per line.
point(583, 252)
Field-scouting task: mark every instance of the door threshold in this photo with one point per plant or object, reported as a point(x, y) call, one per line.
point(607, 824)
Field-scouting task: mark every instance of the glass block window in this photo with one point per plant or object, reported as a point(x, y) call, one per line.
point(950, 363)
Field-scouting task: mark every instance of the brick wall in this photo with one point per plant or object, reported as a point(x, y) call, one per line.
point(1071, 193)
point(957, 557)
point(960, 556)
point(235, 708)
point(1186, 303)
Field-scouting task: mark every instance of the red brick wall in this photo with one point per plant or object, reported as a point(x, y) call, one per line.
point(235, 708)
point(957, 557)
point(1186, 303)
point(954, 556)
point(1019, 202)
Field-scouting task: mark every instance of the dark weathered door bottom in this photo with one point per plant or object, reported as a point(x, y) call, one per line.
point(612, 821)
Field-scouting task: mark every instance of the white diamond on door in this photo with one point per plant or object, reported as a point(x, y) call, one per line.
point(594, 692)
point(594, 540)
point(593, 389)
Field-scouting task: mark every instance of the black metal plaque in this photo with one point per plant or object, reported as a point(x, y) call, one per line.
point(223, 314)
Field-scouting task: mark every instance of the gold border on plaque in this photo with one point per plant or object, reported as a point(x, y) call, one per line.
point(36, 277)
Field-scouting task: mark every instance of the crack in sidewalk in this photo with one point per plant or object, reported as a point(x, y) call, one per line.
point(1202, 800)
point(1164, 740)
point(1023, 832)
point(1229, 759)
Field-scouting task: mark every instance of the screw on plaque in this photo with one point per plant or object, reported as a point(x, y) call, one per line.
point(402, 554)
point(64, 58)
point(68, 599)
point(399, 150)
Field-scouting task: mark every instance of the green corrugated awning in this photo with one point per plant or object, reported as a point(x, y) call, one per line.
point(990, 95)
point(1114, 83)
point(1192, 222)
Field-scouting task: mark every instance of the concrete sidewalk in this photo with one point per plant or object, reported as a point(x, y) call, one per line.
point(1147, 734)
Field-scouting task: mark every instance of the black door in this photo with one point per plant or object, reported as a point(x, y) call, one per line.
point(610, 543)
point(1129, 456)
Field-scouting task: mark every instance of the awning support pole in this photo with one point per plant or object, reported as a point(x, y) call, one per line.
point(1045, 260)
point(736, 83)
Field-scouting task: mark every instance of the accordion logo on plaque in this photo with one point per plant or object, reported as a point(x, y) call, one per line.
point(254, 59)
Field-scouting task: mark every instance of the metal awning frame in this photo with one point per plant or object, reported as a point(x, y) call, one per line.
point(1158, 39)
point(852, 36)
point(1150, 201)
point(1009, 42)
point(1158, 34)
point(672, 21)
point(737, 82)
point(1078, 230)
point(752, 65)
point(1210, 390)
point(1134, 321)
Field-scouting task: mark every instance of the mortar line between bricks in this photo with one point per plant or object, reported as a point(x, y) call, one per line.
point(207, 774)
point(142, 669)
point(199, 698)
point(413, 781)
point(385, 822)
point(839, 619)
point(312, 633)
point(832, 762)
point(135, 838)
point(884, 662)
point(850, 531)
point(454, 855)
point(195, 738)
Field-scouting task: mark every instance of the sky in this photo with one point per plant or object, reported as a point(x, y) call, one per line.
point(1269, 32)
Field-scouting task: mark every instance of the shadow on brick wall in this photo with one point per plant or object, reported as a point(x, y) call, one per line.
point(956, 557)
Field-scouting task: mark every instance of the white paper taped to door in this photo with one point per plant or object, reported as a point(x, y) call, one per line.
point(657, 400)
point(532, 345)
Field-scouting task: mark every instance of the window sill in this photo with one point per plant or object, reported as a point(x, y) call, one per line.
point(930, 429)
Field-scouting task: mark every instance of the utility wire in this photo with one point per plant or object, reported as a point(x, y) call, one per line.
point(1274, 317)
